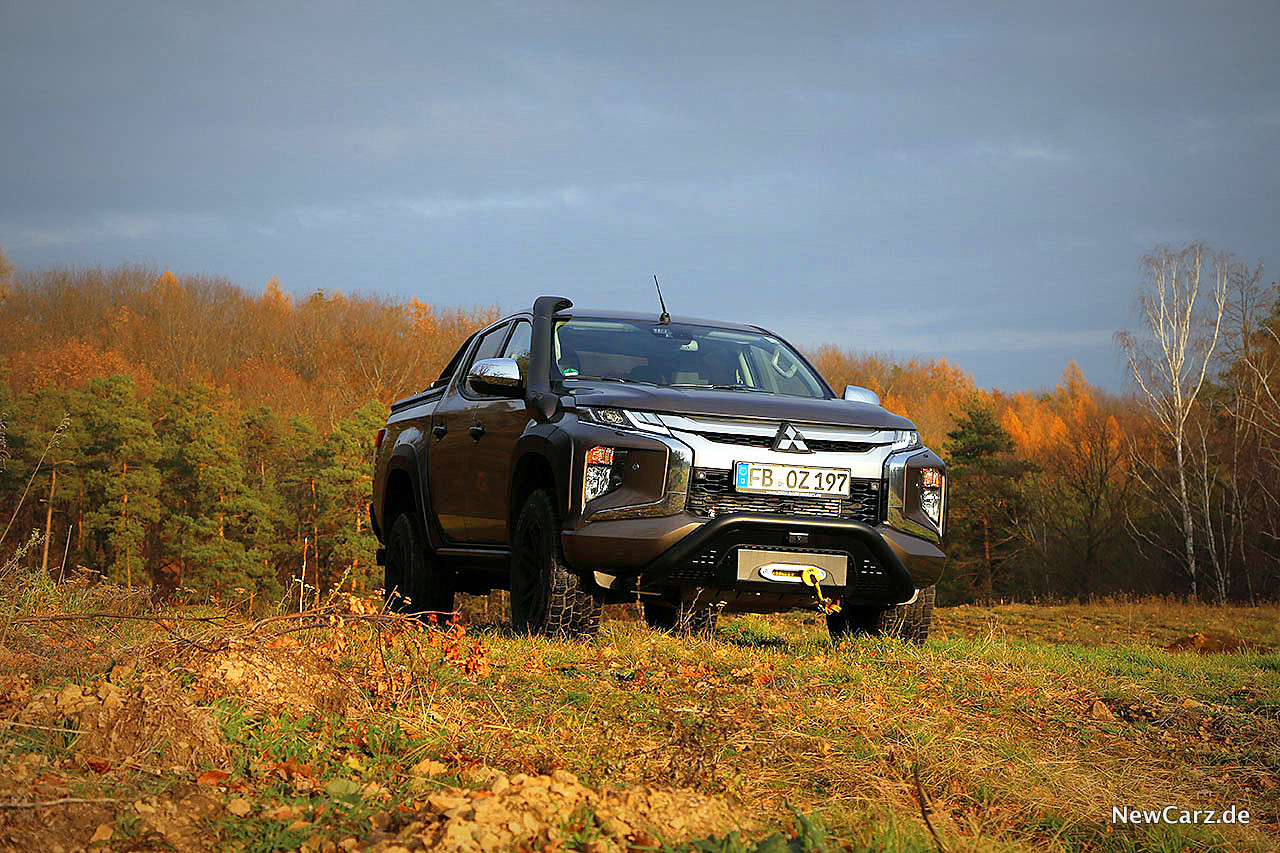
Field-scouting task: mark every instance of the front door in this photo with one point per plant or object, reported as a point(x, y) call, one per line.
point(450, 450)
point(497, 424)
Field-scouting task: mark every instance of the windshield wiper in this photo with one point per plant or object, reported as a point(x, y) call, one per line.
point(614, 379)
point(722, 387)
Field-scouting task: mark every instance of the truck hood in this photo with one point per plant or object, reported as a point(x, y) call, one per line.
point(743, 404)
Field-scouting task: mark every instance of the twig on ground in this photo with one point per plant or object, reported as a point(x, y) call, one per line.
point(39, 804)
point(925, 808)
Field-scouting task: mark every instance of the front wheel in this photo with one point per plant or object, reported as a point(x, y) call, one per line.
point(414, 581)
point(910, 622)
point(547, 598)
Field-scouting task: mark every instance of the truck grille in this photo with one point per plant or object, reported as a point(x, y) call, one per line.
point(711, 494)
point(818, 445)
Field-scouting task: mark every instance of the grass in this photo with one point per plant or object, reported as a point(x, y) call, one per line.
point(1023, 726)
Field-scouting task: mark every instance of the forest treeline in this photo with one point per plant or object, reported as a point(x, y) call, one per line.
point(184, 433)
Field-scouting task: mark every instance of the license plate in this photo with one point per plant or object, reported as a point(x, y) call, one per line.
point(767, 478)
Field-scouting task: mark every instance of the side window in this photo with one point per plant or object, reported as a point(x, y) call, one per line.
point(447, 373)
point(519, 345)
point(489, 346)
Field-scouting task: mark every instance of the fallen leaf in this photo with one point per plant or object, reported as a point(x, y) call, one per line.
point(211, 778)
point(1100, 711)
point(239, 807)
point(341, 787)
point(428, 767)
point(102, 833)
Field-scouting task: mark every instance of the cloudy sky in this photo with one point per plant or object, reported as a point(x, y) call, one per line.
point(974, 181)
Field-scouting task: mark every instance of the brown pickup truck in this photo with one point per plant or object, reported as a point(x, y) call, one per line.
point(580, 457)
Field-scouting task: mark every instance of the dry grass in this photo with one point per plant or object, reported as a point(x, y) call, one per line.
point(1025, 725)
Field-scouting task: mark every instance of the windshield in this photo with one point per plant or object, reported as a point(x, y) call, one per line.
point(682, 356)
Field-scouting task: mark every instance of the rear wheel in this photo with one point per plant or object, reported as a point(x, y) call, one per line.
point(910, 622)
point(547, 598)
point(688, 617)
point(414, 581)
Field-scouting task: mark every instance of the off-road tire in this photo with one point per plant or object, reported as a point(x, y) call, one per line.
point(414, 581)
point(908, 622)
point(546, 598)
point(694, 618)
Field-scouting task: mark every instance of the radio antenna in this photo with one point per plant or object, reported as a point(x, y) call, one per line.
point(665, 318)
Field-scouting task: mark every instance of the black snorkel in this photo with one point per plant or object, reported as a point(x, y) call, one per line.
point(542, 401)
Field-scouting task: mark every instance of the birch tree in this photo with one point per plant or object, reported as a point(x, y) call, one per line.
point(1181, 302)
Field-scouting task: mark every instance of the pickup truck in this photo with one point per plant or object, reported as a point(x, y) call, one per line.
point(579, 458)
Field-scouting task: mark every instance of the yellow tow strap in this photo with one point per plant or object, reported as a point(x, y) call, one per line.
point(812, 577)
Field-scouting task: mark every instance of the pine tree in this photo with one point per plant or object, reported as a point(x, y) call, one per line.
point(216, 519)
point(344, 488)
point(983, 492)
point(122, 483)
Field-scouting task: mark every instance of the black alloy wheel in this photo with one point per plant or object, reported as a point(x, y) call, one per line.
point(414, 581)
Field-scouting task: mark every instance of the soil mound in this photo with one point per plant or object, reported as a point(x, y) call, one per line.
point(276, 677)
point(543, 812)
point(1212, 642)
point(147, 722)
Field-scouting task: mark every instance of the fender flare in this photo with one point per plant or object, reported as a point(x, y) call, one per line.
point(404, 457)
point(554, 446)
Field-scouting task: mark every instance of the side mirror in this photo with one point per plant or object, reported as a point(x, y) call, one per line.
point(498, 377)
point(858, 394)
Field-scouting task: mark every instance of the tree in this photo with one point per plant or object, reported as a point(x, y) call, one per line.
point(1169, 360)
point(344, 487)
point(122, 484)
point(214, 516)
point(983, 491)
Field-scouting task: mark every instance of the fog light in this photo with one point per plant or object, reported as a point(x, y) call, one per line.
point(603, 472)
point(931, 495)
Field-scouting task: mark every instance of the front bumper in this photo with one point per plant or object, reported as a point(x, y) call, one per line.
point(885, 566)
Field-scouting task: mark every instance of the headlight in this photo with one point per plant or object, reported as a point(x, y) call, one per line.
point(931, 495)
point(905, 439)
point(623, 419)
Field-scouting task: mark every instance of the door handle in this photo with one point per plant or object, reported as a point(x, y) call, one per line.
point(477, 430)
point(439, 431)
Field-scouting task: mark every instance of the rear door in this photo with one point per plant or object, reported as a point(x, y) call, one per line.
point(451, 449)
point(497, 423)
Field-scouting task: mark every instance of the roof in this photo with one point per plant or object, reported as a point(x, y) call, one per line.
point(647, 317)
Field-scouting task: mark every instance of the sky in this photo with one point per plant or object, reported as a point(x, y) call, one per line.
point(972, 181)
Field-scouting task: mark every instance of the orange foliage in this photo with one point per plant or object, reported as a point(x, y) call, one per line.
point(931, 393)
point(326, 354)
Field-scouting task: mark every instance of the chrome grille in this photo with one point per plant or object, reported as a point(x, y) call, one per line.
point(818, 445)
point(711, 494)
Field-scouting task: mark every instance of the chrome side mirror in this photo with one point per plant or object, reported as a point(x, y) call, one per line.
point(858, 394)
point(499, 377)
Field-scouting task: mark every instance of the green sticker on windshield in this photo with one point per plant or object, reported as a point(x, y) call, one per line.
point(570, 371)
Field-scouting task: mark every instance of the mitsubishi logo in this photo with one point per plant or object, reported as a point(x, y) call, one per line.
point(789, 440)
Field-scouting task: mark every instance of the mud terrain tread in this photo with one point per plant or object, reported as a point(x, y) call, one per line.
point(909, 622)
point(569, 610)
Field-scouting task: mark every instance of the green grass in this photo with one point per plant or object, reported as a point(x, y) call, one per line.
point(1025, 725)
